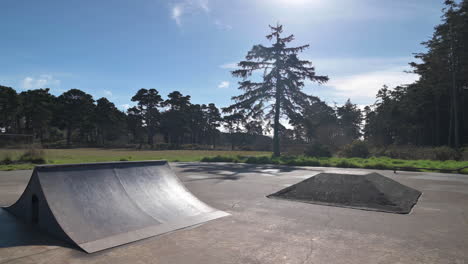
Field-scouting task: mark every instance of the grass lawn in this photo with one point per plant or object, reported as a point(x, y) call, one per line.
point(381, 163)
point(84, 155)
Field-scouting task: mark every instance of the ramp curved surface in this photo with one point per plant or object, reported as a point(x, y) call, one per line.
point(102, 205)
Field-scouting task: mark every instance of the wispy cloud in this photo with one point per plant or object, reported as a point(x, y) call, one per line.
point(107, 93)
point(177, 12)
point(230, 66)
point(125, 107)
point(223, 84)
point(43, 81)
point(222, 26)
point(353, 65)
point(364, 86)
point(181, 8)
point(359, 78)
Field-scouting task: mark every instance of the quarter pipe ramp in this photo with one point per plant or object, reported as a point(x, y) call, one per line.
point(103, 205)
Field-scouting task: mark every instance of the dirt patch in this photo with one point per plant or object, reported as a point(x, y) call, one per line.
point(368, 192)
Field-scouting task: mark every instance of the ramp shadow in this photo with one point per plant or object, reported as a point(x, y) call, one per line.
point(15, 233)
point(232, 171)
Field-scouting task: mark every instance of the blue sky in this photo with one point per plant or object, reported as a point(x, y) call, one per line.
point(113, 48)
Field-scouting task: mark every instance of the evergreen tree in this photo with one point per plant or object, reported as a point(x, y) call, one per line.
point(213, 119)
point(135, 125)
point(75, 110)
point(233, 123)
point(9, 108)
point(148, 102)
point(350, 120)
point(280, 91)
point(37, 107)
point(175, 121)
point(110, 121)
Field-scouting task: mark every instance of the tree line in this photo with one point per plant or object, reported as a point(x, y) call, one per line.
point(432, 111)
point(79, 119)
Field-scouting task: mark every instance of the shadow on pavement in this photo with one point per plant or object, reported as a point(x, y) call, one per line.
point(230, 171)
point(14, 233)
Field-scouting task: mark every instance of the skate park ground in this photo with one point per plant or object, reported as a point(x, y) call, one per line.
point(262, 230)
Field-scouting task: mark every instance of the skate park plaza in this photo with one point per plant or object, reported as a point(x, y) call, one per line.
point(190, 212)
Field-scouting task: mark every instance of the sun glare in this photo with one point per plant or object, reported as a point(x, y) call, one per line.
point(296, 2)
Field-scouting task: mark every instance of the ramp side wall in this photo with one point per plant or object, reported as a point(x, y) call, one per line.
point(23, 210)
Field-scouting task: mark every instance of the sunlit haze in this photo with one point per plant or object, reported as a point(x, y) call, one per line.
point(114, 48)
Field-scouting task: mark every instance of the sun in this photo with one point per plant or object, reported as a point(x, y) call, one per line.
point(296, 2)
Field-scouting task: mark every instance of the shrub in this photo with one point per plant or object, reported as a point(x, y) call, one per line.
point(259, 160)
point(445, 153)
point(33, 155)
point(6, 160)
point(218, 159)
point(357, 149)
point(378, 166)
point(346, 164)
point(246, 148)
point(409, 152)
point(317, 150)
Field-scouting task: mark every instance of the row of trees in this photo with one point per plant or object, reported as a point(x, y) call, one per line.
point(78, 118)
point(434, 110)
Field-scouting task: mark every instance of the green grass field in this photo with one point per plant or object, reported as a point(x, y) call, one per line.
point(84, 155)
point(381, 163)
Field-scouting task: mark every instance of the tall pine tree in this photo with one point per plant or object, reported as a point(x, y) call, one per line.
point(280, 91)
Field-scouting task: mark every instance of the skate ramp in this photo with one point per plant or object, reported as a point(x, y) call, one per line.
point(103, 205)
point(368, 192)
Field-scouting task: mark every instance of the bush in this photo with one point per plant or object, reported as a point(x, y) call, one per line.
point(445, 153)
point(219, 159)
point(259, 160)
point(378, 166)
point(317, 150)
point(346, 164)
point(6, 160)
point(357, 149)
point(409, 152)
point(33, 155)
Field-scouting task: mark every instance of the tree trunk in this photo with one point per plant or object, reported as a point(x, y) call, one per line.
point(456, 135)
point(69, 132)
point(150, 137)
point(276, 140)
point(437, 123)
point(232, 141)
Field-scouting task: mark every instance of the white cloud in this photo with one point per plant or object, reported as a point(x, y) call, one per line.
point(188, 6)
point(43, 81)
point(177, 12)
point(364, 86)
point(223, 84)
point(352, 65)
point(203, 4)
point(222, 26)
point(125, 106)
point(107, 93)
point(231, 66)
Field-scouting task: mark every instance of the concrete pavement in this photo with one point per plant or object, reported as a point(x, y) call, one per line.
point(262, 230)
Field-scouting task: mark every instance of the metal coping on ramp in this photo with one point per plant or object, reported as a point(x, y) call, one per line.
point(102, 205)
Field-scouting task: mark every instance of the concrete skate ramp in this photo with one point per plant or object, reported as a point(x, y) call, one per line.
point(368, 192)
point(102, 205)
